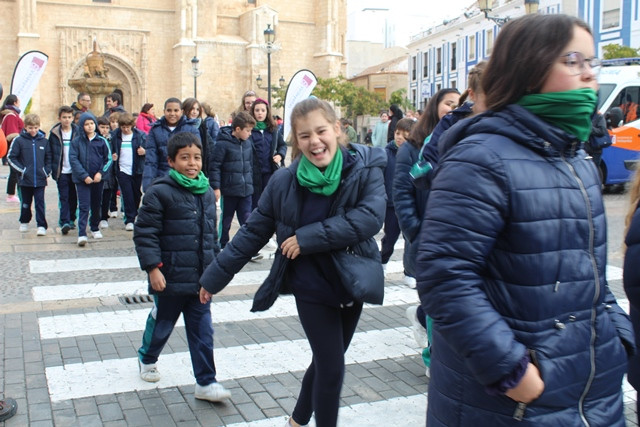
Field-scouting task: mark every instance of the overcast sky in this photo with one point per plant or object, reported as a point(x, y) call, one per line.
point(416, 15)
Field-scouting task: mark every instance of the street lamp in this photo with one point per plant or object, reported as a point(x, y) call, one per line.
point(281, 80)
point(530, 6)
point(195, 72)
point(269, 37)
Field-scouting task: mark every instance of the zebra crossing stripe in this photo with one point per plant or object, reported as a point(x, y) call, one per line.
point(75, 325)
point(77, 380)
point(397, 411)
point(139, 287)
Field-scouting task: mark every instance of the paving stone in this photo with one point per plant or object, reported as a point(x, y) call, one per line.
point(136, 417)
point(264, 400)
point(40, 412)
point(37, 395)
point(250, 411)
point(90, 421)
point(85, 406)
point(129, 400)
point(106, 398)
point(208, 417)
point(154, 406)
point(180, 412)
point(110, 412)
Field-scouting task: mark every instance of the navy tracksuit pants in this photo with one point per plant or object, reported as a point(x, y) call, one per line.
point(241, 206)
point(67, 198)
point(27, 195)
point(391, 234)
point(198, 327)
point(131, 195)
point(89, 199)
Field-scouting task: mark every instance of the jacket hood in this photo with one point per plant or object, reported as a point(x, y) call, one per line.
point(392, 146)
point(518, 124)
point(371, 156)
point(40, 134)
point(83, 118)
point(225, 135)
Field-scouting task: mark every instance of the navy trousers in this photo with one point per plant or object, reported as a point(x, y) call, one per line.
point(27, 195)
point(67, 199)
point(391, 234)
point(198, 327)
point(131, 194)
point(89, 200)
point(329, 331)
point(255, 197)
point(241, 206)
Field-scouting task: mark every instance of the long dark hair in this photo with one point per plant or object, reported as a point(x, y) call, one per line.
point(10, 100)
point(523, 56)
point(271, 124)
point(429, 118)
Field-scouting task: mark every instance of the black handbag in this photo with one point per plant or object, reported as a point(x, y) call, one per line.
point(273, 285)
point(361, 275)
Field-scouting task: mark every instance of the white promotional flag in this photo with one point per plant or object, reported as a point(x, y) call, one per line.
point(300, 88)
point(26, 75)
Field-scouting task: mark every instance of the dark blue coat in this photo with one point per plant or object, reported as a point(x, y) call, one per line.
point(409, 203)
point(178, 229)
point(155, 163)
point(511, 262)
point(88, 157)
point(232, 165)
point(390, 171)
point(30, 156)
point(56, 147)
point(212, 127)
point(138, 140)
point(631, 281)
point(357, 214)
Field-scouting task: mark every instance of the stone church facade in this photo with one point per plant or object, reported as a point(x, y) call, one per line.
point(148, 45)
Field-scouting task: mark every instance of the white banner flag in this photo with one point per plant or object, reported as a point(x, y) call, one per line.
point(299, 89)
point(26, 75)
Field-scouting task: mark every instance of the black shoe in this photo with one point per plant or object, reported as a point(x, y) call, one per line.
point(72, 226)
point(8, 408)
point(65, 229)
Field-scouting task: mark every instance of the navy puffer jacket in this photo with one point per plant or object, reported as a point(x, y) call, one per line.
point(632, 288)
point(178, 229)
point(357, 214)
point(232, 165)
point(511, 263)
point(409, 203)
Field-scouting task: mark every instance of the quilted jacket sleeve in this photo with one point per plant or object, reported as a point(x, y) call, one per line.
point(466, 211)
point(150, 161)
point(146, 235)
point(351, 225)
point(404, 194)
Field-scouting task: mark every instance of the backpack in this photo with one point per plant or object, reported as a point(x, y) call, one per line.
point(3, 144)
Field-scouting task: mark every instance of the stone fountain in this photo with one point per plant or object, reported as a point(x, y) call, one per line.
point(94, 79)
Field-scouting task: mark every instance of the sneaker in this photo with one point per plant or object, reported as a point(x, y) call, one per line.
point(12, 198)
point(103, 224)
point(82, 240)
point(129, 226)
point(24, 228)
point(419, 332)
point(256, 257)
point(410, 281)
point(41, 231)
point(96, 234)
point(65, 229)
point(113, 214)
point(213, 392)
point(8, 408)
point(149, 372)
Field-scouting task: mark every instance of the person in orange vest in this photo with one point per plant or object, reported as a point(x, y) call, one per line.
point(629, 109)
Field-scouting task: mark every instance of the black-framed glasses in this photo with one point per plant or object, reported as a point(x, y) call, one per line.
point(576, 62)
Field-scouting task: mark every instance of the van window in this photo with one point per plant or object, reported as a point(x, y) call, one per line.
point(603, 93)
point(628, 100)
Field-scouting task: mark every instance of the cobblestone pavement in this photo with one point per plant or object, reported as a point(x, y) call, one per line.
point(68, 341)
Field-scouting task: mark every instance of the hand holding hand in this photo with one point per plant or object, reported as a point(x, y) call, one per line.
point(157, 280)
point(290, 247)
point(530, 386)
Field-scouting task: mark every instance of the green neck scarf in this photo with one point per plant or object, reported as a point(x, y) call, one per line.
point(570, 111)
point(198, 185)
point(325, 183)
point(260, 126)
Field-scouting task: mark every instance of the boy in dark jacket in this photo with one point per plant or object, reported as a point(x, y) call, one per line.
point(30, 157)
point(175, 239)
point(90, 158)
point(60, 139)
point(128, 144)
point(232, 171)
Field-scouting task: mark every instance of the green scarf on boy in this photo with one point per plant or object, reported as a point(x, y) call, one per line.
point(197, 185)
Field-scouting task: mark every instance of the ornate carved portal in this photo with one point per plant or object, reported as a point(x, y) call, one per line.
point(124, 55)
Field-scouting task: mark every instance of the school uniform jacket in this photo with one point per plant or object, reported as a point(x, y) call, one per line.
point(30, 157)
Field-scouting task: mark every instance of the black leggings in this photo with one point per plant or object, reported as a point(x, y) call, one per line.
point(329, 331)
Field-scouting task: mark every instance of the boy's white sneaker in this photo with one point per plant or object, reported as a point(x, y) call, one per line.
point(103, 224)
point(149, 373)
point(213, 392)
point(24, 228)
point(41, 231)
point(419, 332)
point(96, 234)
point(410, 281)
point(113, 214)
point(82, 240)
point(129, 226)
